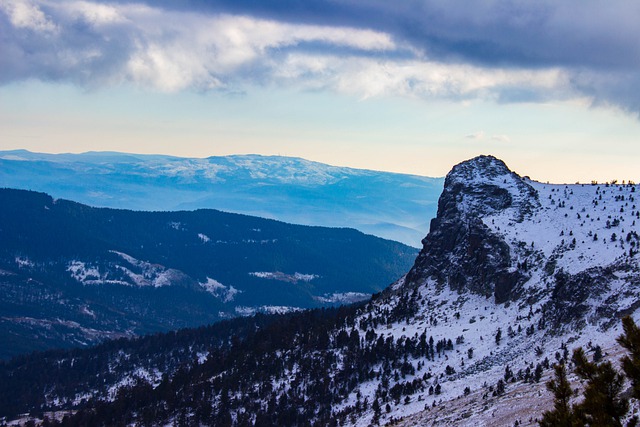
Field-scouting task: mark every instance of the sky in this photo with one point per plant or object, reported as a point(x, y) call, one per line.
point(414, 86)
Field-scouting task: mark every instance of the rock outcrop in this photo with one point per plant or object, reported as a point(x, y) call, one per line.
point(500, 235)
point(460, 250)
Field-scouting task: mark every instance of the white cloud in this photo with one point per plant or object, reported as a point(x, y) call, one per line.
point(477, 135)
point(501, 138)
point(25, 14)
point(94, 13)
point(367, 77)
point(162, 49)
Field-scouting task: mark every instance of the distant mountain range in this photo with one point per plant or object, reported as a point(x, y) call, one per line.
point(72, 275)
point(388, 205)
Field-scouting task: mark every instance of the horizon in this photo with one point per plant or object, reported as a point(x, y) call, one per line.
point(613, 181)
point(411, 90)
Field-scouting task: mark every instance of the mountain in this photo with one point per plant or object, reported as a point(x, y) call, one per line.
point(512, 276)
point(73, 275)
point(388, 205)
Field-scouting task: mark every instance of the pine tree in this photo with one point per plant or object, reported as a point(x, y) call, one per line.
point(603, 404)
point(630, 340)
point(597, 354)
point(562, 414)
point(376, 412)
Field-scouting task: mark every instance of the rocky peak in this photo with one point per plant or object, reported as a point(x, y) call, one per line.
point(484, 185)
point(460, 250)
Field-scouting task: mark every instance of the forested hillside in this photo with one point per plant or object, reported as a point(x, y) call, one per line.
point(72, 275)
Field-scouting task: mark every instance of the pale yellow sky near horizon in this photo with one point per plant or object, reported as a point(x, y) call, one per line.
point(562, 143)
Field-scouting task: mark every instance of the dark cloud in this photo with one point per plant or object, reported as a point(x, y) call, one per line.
point(502, 32)
point(596, 42)
point(593, 45)
point(74, 51)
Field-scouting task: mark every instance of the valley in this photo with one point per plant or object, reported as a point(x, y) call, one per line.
point(73, 275)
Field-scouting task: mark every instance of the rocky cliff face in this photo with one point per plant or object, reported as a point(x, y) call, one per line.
point(571, 251)
point(460, 250)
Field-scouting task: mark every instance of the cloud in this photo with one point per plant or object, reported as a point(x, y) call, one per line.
point(481, 136)
point(25, 15)
point(166, 50)
point(502, 50)
point(500, 138)
point(477, 135)
point(367, 77)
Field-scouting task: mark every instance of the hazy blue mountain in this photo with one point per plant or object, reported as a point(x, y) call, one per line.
point(388, 205)
point(72, 275)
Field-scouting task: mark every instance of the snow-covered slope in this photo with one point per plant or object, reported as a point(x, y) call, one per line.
point(294, 190)
point(549, 266)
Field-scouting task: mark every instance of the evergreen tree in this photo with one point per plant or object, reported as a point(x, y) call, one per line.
point(597, 354)
point(562, 414)
point(630, 340)
point(603, 404)
point(376, 412)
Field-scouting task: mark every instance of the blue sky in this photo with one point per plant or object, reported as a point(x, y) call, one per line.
point(414, 86)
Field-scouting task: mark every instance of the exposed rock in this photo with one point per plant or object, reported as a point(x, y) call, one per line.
point(569, 300)
point(460, 250)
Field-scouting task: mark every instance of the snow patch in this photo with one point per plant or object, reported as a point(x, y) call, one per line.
point(284, 277)
point(220, 291)
point(83, 273)
point(152, 377)
point(268, 309)
point(24, 262)
point(136, 273)
point(342, 298)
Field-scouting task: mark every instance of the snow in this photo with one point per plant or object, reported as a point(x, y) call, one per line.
point(153, 377)
point(539, 231)
point(284, 277)
point(582, 212)
point(202, 356)
point(245, 311)
point(13, 157)
point(82, 273)
point(87, 311)
point(268, 309)
point(145, 274)
point(305, 277)
point(283, 170)
point(220, 291)
point(24, 262)
point(342, 298)
point(488, 362)
point(560, 214)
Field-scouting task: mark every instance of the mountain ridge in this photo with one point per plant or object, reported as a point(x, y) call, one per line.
point(72, 274)
point(390, 205)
